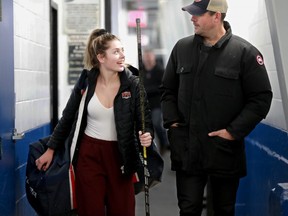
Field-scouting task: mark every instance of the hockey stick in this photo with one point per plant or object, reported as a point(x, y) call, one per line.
point(141, 86)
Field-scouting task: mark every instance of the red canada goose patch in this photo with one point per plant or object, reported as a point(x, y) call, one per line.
point(259, 60)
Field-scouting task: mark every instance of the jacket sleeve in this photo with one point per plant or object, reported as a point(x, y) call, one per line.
point(64, 126)
point(257, 93)
point(169, 89)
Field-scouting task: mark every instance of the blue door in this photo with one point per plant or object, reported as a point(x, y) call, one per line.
point(7, 107)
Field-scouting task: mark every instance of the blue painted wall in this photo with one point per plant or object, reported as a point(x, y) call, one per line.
point(21, 152)
point(267, 163)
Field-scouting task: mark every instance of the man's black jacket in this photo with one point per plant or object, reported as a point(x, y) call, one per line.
point(228, 89)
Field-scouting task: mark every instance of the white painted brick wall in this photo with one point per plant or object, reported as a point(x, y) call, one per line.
point(32, 63)
point(260, 36)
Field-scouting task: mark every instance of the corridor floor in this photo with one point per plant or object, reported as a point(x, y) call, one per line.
point(162, 197)
point(162, 200)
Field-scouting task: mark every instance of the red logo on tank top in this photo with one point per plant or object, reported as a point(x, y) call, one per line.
point(126, 94)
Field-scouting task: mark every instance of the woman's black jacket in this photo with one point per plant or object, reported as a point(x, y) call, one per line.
point(127, 117)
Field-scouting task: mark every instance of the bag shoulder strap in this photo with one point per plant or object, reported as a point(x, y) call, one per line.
point(78, 123)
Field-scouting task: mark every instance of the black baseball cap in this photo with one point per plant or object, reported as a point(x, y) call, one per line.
point(199, 7)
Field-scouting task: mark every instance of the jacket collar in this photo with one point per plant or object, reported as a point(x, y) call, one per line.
point(225, 38)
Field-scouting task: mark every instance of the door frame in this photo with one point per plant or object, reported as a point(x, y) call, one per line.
point(7, 110)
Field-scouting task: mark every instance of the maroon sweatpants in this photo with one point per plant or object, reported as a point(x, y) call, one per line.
point(101, 188)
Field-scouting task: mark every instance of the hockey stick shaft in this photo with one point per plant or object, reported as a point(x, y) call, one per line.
point(142, 107)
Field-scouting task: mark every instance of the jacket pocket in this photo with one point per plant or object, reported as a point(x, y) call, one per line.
point(178, 138)
point(227, 73)
point(183, 69)
point(225, 156)
point(185, 83)
point(226, 82)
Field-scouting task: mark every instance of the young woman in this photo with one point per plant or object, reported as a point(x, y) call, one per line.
point(106, 155)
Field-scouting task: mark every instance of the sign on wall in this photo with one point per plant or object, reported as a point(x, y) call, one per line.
point(80, 18)
point(76, 50)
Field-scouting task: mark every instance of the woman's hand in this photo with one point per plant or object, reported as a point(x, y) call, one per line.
point(145, 139)
point(44, 161)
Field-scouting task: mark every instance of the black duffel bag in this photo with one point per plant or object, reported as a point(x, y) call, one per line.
point(155, 166)
point(51, 192)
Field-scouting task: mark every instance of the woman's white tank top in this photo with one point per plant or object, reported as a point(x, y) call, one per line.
point(100, 121)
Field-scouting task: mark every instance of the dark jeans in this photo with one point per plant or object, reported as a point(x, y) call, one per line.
point(190, 191)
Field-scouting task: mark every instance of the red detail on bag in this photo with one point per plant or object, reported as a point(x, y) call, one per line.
point(135, 178)
point(82, 91)
point(72, 187)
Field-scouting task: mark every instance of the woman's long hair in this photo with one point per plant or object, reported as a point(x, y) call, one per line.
point(97, 44)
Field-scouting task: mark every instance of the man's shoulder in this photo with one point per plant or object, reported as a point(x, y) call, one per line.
point(188, 39)
point(184, 43)
point(240, 41)
point(184, 47)
point(240, 44)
